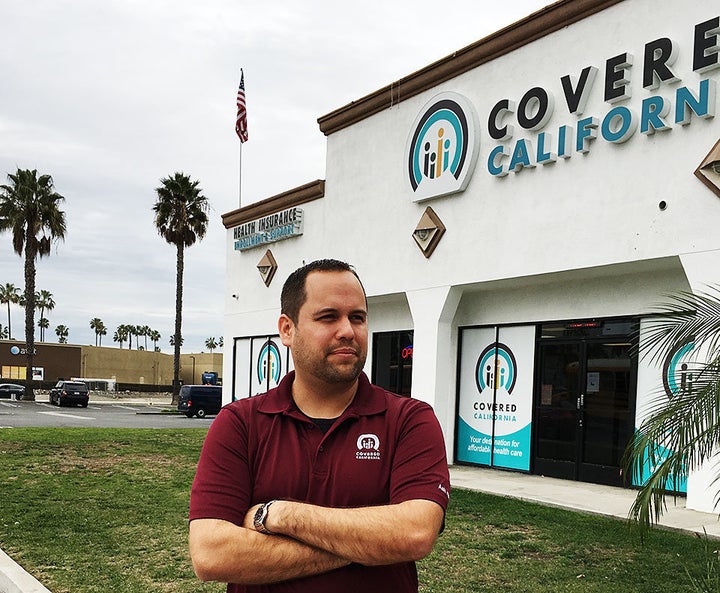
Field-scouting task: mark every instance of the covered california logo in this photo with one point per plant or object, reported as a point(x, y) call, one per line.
point(496, 369)
point(269, 363)
point(442, 147)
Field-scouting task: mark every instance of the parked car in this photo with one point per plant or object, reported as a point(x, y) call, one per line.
point(9, 390)
point(199, 400)
point(70, 393)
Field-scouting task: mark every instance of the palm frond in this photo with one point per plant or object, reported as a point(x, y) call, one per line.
point(680, 435)
point(685, 317)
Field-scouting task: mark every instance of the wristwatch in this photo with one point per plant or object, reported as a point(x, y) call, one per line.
point(260, 517)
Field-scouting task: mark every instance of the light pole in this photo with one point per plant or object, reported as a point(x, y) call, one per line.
point(193, 375)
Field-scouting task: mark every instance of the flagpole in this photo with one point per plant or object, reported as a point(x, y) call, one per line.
point(240, 178)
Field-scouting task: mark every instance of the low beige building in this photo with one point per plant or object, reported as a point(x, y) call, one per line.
point(102, 363)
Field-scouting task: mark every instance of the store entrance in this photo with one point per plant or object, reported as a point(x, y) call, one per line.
point(584, 400)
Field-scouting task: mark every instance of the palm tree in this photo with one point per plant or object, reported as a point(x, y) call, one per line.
point(121, 334)
point(29, 209)
point(211, 344)
point(155, 338)
point(62, 332)
point(9, 294)
point(681, 432)
point(97, 325)
point(44, 300)
point(181, 219)
point(43, 324)
point(220, 342)
point(145, 332)
point(135, 331)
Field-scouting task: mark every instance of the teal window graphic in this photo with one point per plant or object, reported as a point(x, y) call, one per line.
point(269, 365)
point(442, 148)
point(496, 369)
point(677, 377)
point(677, 373)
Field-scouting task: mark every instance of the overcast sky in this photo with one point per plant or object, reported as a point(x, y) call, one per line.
point(110, 96)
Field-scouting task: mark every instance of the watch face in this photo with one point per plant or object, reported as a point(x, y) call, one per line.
point(259, 516)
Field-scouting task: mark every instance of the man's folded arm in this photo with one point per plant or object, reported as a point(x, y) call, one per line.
point(377, 535)
point(222, 551)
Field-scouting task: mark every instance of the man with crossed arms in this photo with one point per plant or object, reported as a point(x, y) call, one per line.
point(326, 483)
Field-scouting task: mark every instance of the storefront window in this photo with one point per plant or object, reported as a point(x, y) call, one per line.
point(392, 361)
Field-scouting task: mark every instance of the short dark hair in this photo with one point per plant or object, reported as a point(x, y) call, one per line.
point(294, 295)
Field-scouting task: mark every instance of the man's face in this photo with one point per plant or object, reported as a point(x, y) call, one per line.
point(329, 340)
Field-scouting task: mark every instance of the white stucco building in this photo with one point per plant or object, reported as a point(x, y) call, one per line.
point(514, 210)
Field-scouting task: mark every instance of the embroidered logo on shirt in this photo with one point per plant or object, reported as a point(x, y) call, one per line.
point(368, 447)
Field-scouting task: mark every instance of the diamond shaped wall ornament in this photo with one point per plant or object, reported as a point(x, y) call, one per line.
point(709, 170)
point(428, 232)
point(267, 267)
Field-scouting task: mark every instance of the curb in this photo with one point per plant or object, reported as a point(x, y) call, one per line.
point(15, 579)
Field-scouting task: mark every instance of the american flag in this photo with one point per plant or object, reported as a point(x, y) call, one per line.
point(241, 121)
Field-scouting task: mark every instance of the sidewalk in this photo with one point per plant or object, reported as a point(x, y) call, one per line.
point(579, 496)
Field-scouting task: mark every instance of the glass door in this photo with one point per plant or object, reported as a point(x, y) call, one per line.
point(584, 406)
point(557, 411)
point(606, 421)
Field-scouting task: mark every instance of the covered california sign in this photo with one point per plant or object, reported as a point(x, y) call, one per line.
point(445, 136)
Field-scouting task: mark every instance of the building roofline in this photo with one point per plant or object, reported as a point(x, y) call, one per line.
point(535, 26)
point(293, 197)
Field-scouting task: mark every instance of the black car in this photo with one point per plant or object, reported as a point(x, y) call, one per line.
point(199, 400)
point(11, 391)
point(70, 393)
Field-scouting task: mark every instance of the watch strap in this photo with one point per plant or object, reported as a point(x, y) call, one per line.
point(260, 518)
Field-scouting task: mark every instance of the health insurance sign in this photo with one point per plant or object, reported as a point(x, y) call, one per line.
point(495, 399)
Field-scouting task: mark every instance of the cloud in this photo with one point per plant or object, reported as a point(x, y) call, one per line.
point(109, 97)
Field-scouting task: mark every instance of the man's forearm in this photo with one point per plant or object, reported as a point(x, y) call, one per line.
point(224, 552)
point(369, 535)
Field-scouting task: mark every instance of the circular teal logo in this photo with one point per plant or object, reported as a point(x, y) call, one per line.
point(496, 368)
point(442, 147)
point(269, 363)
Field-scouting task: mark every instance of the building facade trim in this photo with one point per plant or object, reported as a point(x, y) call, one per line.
point(537, 25)
point(294, 197)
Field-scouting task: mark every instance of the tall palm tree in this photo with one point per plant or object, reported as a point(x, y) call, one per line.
point(155, 338)
point(44, 300)
point(62, 332)
point(9, 294)
point(29, 209)
point(135, 331)
point(181, 219)
point(97, 325)
point(145, 332)
point(43, 324)
point(684, 431)
point(211, 344)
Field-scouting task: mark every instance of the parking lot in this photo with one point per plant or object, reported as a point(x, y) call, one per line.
point(105, 414)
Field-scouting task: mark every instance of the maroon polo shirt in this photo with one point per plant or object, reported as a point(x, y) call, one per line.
point(384, 449)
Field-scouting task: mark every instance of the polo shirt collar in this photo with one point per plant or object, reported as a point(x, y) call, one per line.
point(367, 401)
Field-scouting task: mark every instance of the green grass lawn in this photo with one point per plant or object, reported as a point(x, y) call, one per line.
point(89, 510)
